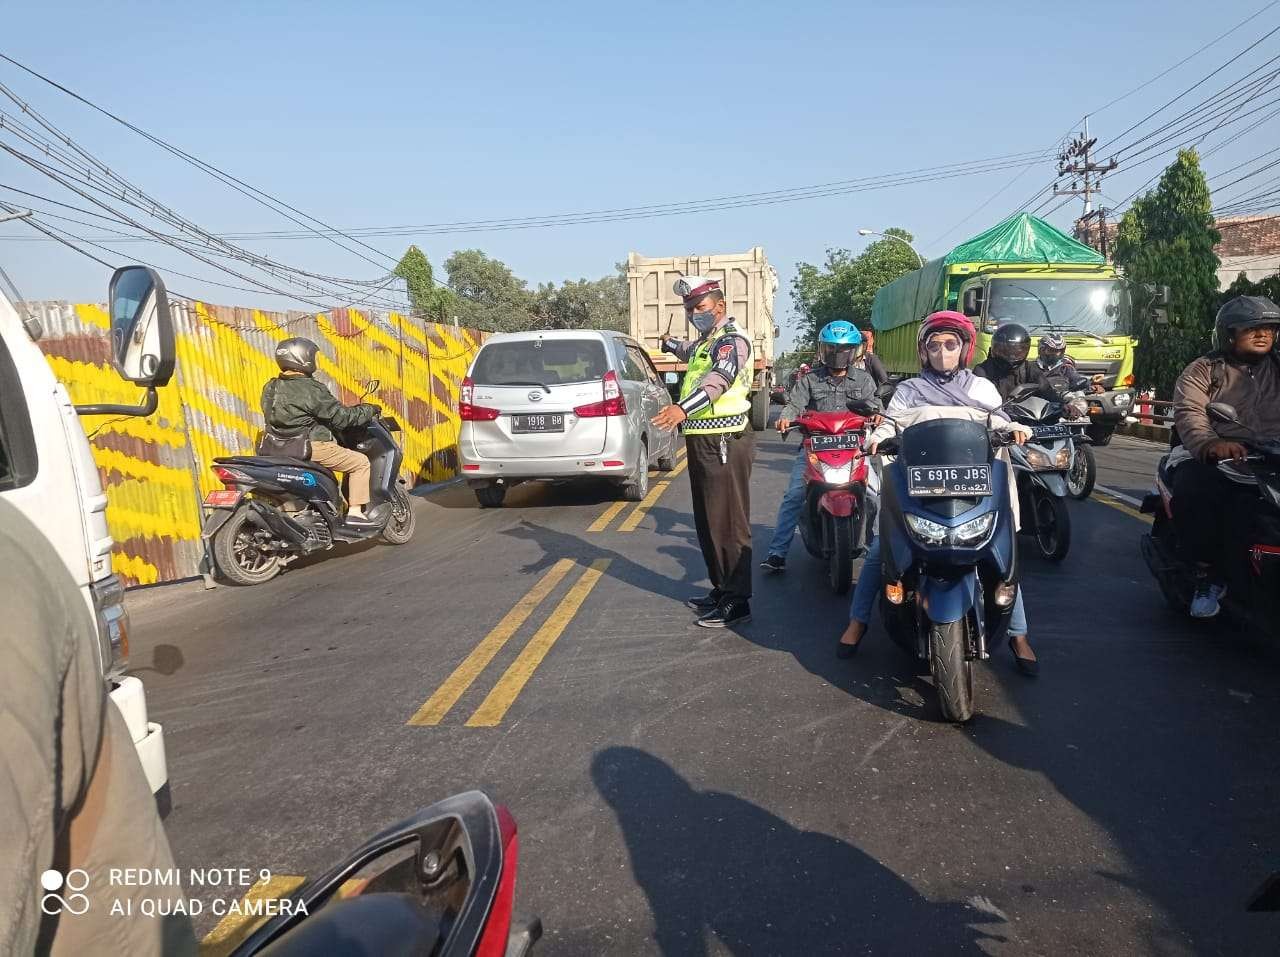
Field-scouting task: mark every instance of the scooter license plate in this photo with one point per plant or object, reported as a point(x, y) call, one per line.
point(224, 498)
point(833, 443)
point(951, 481)
point(1050, 431)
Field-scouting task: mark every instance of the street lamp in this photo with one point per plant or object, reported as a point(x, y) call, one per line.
point(872, 232)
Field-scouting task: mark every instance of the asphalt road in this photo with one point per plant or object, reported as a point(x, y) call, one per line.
point(681, 791)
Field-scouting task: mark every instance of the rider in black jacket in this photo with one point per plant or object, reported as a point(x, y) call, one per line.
point(1006, 363)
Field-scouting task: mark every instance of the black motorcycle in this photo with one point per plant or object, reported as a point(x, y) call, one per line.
point(1042, 467)
point(274, 509)
point(441, 883)
point(949, 550)
point(1252, 572)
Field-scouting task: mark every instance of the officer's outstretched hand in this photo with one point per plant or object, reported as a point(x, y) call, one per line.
point(669, 418)
point(783, 425)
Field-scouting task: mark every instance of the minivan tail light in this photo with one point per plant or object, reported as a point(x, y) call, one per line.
point(468, 412)
point(614, 402)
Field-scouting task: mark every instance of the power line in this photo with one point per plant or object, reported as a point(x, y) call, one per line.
point(262, 198)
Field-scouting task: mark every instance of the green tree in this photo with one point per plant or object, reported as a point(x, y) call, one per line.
point(415, 269)
point(488, 294)
point(844, 286)
point(584, 304)
point(1167, 238)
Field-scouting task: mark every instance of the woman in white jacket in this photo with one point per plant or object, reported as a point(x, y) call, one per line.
point(945, 345)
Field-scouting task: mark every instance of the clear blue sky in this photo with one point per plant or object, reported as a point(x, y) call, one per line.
point(399, 113)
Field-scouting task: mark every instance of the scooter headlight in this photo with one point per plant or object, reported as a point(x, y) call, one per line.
point(931, 533)
point(1121, 400)
point(1062, 459)
point(832, 474)
point(973, 531)
point(1037, 458)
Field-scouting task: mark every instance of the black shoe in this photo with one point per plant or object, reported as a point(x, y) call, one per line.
point(1028, 666)
point(707, 602)
point(733, 611)
point(774, 563)
point(846, 650)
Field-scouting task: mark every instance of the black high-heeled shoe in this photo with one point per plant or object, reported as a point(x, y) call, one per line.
point(1028, 666)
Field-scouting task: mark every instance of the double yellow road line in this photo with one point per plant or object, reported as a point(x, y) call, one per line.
point(504, 693)
point(633, 520)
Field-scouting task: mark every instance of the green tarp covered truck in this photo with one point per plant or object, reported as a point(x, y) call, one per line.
point(1021, 270)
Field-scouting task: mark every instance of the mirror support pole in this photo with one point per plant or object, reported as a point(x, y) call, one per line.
point(149, 405)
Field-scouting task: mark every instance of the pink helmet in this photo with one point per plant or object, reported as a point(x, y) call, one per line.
point(947, 321)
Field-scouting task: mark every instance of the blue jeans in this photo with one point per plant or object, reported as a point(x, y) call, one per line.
point(789, 510)
point(872, 577)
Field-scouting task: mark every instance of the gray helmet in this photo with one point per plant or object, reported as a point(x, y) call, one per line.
point(1243, 312)
point(297, 355)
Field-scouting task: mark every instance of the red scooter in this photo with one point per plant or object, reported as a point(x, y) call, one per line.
point(833, 520)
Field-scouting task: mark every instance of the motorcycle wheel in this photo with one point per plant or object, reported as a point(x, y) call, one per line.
point(952, 672)
point(399, 528)
point(840, 563)
point(237, 555)
point(1052, 526)
point(1083, 474)
point(1157, 558)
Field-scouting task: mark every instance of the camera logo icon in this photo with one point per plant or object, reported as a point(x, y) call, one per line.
point(72, 883)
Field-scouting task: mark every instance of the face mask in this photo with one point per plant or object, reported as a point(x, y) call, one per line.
point(703, 321)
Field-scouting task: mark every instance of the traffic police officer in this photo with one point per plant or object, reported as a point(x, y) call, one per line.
point(714, 413)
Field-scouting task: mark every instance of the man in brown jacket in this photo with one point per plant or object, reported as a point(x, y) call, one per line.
point(1244, 372)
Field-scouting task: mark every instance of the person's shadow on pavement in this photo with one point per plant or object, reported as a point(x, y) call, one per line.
point(714, 864)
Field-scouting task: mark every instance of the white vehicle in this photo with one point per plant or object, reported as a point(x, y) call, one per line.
point(47, 472)
point(559, 405)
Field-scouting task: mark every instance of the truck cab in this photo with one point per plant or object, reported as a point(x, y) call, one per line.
point(1091, 308)
point(47, 471)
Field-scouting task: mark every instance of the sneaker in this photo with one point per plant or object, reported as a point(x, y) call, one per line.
point(734, 611)
point(707, 602)
point(1205, 604)
point(774, 563)
point(363, 521)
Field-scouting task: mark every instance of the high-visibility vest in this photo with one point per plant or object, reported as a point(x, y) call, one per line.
point(730, 412)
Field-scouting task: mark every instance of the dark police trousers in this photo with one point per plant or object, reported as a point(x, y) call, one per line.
point(722, 507)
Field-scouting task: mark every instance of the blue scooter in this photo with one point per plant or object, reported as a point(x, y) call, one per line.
point(949, 549)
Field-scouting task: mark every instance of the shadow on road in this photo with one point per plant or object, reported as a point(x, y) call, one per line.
point(588, 493)
point(713, 864)
point(556, 545)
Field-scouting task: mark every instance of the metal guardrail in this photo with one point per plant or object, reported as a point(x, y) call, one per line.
point(1149, 411)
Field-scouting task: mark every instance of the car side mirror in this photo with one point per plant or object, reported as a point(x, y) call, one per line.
point(671, 378)
point(1223, 412)
point(972, 301)
point(142, 346)
point(141, 327)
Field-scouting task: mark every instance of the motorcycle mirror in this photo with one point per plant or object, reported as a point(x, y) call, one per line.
point(1223, 412)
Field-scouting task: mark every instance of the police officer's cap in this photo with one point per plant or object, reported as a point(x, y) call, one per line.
point(692, 288)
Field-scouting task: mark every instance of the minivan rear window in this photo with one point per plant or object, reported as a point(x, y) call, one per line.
point(540, 362)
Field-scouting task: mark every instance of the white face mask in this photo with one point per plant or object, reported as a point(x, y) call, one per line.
point(943, 360)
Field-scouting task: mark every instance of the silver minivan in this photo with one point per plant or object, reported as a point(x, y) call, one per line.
point(559, 405)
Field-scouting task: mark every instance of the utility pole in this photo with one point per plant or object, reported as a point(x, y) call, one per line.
point(1076, 161)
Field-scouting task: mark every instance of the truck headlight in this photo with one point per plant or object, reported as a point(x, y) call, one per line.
point(974, 530)
point(931, 533)
point(113, 623)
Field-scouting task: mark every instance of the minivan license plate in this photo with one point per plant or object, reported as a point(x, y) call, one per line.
point(949, 480)
point(549, 422)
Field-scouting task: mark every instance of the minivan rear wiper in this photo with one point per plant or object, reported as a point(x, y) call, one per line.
point(541, 385)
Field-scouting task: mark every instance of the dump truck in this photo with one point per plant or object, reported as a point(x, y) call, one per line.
point(750, 285)
point(1022, 270)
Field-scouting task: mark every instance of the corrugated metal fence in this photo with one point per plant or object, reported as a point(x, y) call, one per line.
point(157, 470)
